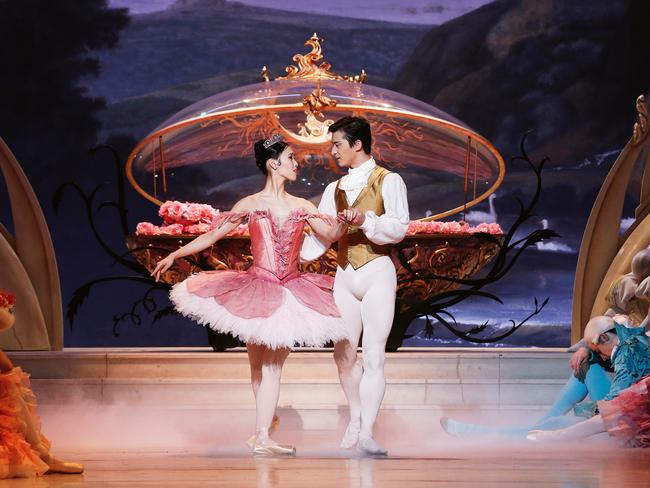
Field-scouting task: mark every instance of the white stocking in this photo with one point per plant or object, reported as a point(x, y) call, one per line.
point(377, 311)
point(587, 428)
point(268, 391)
point(345, 352)
point(366, 298)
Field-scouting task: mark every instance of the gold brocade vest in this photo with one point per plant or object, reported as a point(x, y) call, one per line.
point(354, 247)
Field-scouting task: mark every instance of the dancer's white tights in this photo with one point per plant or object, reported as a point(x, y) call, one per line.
point(586, 428)
point(266, 370)
point(366, 300)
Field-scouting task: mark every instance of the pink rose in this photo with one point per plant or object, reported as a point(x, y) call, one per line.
point(191, 212)
point(145, 229)
point(207, 214)
point(196, 229)
point(495, 228)
point(172, 230)
point(171, 211)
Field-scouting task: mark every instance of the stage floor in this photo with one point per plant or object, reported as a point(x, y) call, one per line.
point(156, 418)
point(566, 466)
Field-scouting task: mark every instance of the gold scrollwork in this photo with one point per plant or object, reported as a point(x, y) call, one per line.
point(309, 69)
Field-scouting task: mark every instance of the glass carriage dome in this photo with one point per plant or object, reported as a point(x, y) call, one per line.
point(204, 153)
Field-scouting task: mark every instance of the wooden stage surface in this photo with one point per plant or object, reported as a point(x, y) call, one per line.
point(172, 418)
point(529, 466)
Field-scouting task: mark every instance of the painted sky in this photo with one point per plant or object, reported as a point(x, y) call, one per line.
point(428, 12)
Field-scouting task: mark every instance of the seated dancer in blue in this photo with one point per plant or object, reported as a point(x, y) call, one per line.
point(629, 295)
point(625, 410)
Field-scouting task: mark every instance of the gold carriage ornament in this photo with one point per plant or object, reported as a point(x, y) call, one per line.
point(204, 154)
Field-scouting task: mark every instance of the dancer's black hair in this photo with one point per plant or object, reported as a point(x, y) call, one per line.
point(263, 154)
point(355, 129)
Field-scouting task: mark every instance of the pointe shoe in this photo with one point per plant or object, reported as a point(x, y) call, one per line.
point(271, 448)
point(370, 447)
point(275, 423)
point(542, 436)
point(464, 430)
point(63, 467)
point(351, 436)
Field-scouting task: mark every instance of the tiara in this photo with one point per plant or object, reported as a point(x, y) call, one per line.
point(272, 140)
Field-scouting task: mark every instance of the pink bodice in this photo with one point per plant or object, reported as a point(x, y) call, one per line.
point(275, 247)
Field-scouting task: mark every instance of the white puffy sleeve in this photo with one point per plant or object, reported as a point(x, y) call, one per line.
point(391, 227)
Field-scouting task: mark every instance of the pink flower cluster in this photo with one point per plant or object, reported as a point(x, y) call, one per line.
point(185, 219)
point(198, 218)
point(7, 300)
point(173, 212)
point(453, 227)
point(149, 229)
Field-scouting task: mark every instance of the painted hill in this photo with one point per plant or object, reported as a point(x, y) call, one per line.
point(203, 39)
point(569, 70)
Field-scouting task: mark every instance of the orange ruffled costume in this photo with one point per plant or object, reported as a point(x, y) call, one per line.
point(21, 443)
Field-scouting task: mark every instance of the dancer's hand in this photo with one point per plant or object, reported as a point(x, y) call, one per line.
point(578, 358)
point(162, 266)
point(351, 216)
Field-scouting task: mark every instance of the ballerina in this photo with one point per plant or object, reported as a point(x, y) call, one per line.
point(24, 450)
point(628, 295)
point(625, 410)
point(272, 306)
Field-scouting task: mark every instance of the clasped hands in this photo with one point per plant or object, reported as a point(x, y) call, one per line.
point(351, 217)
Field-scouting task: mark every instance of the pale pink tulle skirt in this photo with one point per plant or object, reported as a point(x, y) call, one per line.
point(628, 415)
point(258, 308)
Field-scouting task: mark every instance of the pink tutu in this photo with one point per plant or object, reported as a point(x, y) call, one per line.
point(272, 303)
point(628, 415)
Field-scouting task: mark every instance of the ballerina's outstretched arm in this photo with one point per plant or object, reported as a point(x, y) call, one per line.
point(225, 223)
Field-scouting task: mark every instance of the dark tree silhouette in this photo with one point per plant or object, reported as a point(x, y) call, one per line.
point(46, 116)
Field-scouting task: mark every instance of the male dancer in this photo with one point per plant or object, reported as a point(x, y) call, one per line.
point(372, 202)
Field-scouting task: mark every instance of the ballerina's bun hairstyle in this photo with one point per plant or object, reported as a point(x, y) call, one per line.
point(596, 326)
point(266, 149)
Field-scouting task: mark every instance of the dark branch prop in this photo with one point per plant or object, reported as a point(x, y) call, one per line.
point(508, 254)
point(80, 295)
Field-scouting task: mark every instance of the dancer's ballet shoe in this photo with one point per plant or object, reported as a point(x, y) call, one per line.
point(271, 448)
point(370, 447)
point(543, 436)
point(463, 430)
point(63, 467)
point(351, 436)
point(275, 423)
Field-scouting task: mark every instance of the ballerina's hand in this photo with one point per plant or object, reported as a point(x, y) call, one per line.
point(162, 266)
point(578, 357)
point(351, 216)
